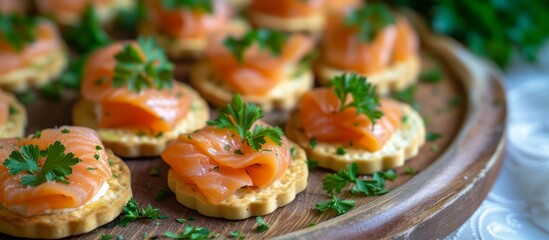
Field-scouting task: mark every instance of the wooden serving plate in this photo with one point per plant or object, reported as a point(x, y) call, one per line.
point(450, 185)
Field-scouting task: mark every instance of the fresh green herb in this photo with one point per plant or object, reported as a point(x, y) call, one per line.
point(132, 213)
point(189, 136)
point(490, 28)
point(362, 92)
point(159, 135)
point(292, 151)
point(128, 19)
point(88, 35)
point(313, 142)
point(18, 30)
point(12, 110)
point(340, 206)
point(190, 232)
point(433, 75)
point(120, 237)
point(434, 147)
point(432, 136)
point(266, 39)
point(26, 97)
point(227, 147)
point(90, 168)
point(340, 151)
point(65, 131)
point(375, 186)
point(197, 5)
point(181, 220)
point(404, 119)
point(144, 68)
point(389, 175)
point(154, 171)
point(162, 194)
point(98, 148)
point(96, 156)
point(311, 225)
point(238, 151)
point(312, 164)
point(305, 64)
point(37, 135)
point(410, 170)
point(56, 167)
point(450, 104)
point(106, 237)
point(236, 235)
point(370, 20)
point(240, 117)
point(261, 225)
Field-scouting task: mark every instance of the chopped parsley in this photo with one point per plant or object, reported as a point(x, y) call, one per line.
point(313, 142)
point(340, 151)
point(96, 156)
point(162, 194)
point(106, 237)
point(312, 164)
point(410, 170)
point(146, 67)
point(432, 136)
point(372, 187)
point(65, 131)
point(407, 95)
point(292, 151)
point(433, 75)
point(434, 147)
point(370, 20)
point(88, 35)
point(266, 39)
point(261, 225)
point(98, 148)
point(131, 213)
point(190, 232)
point(12, 110)
point(340, 206)
point(18, 30)
point(236, 235)
point(154, 171)
point(197, 5)
point(56, 167)
point(240, 117)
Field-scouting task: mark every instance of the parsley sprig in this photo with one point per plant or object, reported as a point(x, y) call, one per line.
point(56, 167)
point(239, 117)
point(190, 232)
point(18, 30)
point(261, 225)
point(365, 100)
point(132, 213)
point(266, 39)
point(338, 205)
point(198, 5)
point(88, 35)
point(370, 20)
point(376, 186)
point(152, 70)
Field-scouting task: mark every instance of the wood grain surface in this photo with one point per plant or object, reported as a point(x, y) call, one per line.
point(455, 171)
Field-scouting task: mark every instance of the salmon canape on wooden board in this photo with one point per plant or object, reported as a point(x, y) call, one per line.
point(32, 52)
point(237, 167)
point(132, 100)
point(59, 182)
point(371, 41)
point(266, 67)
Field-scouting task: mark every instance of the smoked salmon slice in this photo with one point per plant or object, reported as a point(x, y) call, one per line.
point(287, 8)
point(343, 49)
point(150, 109)
point(322, 120)
point(259, 71)
point(218, 163)
point(85, 181)
point(187, 23)
point(47, 41)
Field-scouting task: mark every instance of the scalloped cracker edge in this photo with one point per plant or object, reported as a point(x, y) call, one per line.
point(247, 202)
point(284, 96)
point(403, 145)
point(396, 77)
point(126, 143)
point(39, 72)
point(84, 219)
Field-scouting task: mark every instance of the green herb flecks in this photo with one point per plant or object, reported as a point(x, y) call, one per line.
point(312, 164)
point(271, 40)
point(131, 213)
point(197, 5)
point(190, 232)
point(370, 20)
point(56, 167)
point(239, 117)
point(334, 183)
point(340, 206)
point(261, 225)
point(432, 136)
point(145, 68)
point(18, 30)
point(88, 35)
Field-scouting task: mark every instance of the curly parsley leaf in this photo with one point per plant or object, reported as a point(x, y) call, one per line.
point(190, 232)
point(261, 225)
point(88, 35)
point(18, 30)
point(236, 235)
point(132, 213)
point(146, 67)
point(338, 205)
point(266, 39)
point(372, 187)
point(370, 20)
point(337, 181)
point(206, 6)
point(55, 168)
point(363, 93)
point(239, 117)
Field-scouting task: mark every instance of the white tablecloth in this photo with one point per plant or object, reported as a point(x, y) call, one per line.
point(521, 191)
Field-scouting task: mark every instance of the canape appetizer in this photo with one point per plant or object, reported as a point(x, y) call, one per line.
point(266, 67)
point(183, 27)
point(58, 183)
point(132, 101)
point(236, 167)
point(69, 12)
point(346, 123)
point(13, 116)
point(373, 42)
point(295, 15)
point(13, 6)
point(31, 51)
